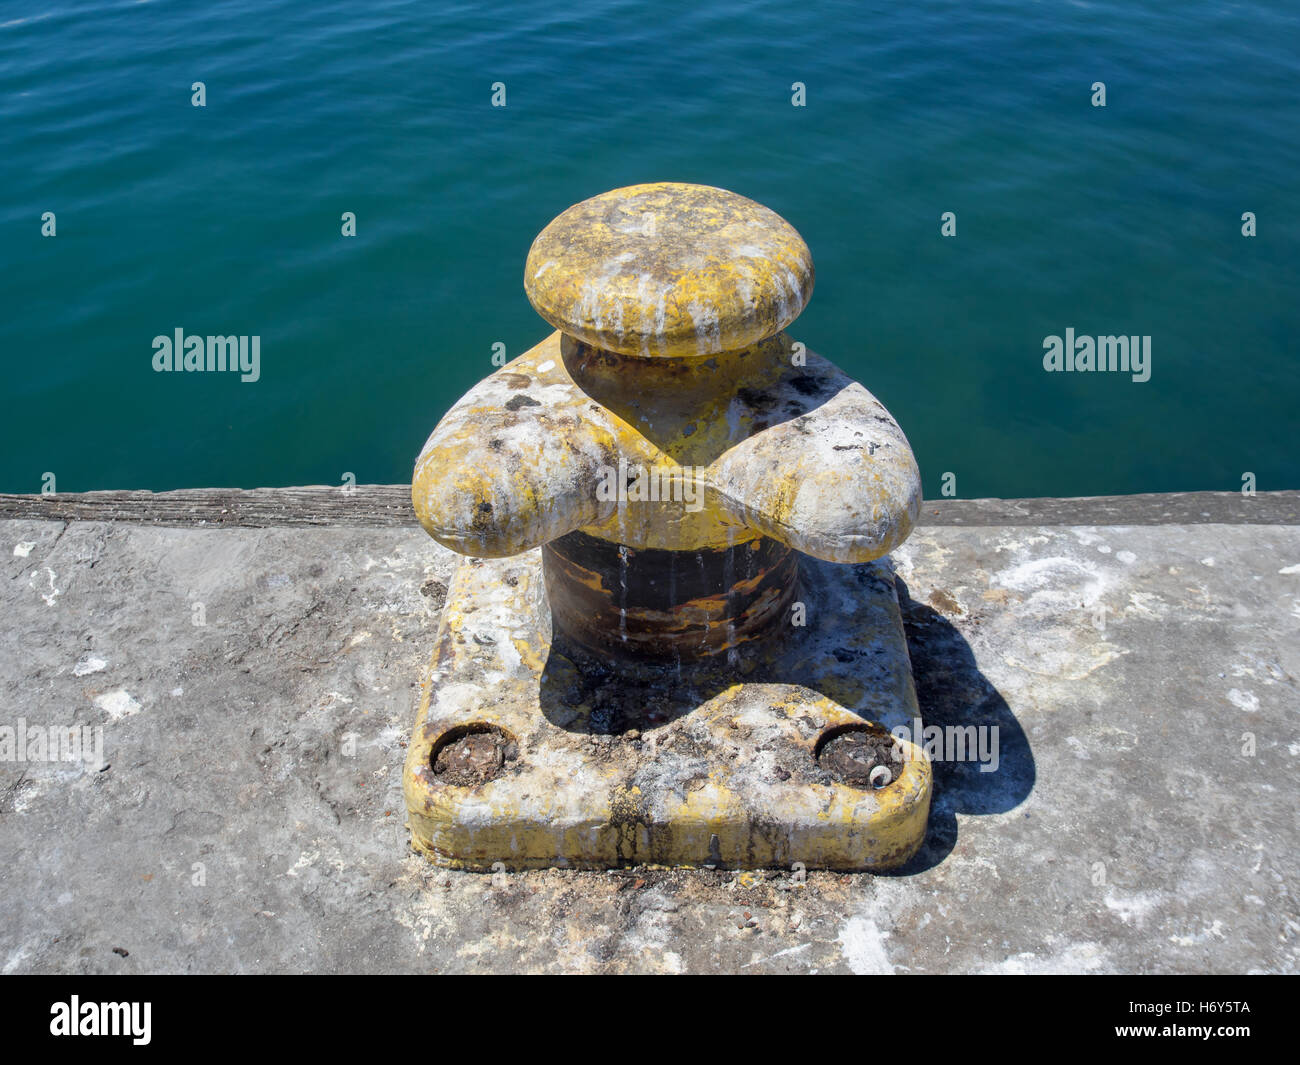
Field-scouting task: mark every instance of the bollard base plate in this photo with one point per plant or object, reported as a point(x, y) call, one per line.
point(528, 753)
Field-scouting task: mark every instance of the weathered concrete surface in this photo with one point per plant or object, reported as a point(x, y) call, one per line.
point(1121, 755)
point(389, 505)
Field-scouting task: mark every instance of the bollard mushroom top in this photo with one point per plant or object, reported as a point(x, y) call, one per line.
point(669, 269)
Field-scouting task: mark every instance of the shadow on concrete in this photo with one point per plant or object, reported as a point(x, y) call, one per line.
point(952, 691)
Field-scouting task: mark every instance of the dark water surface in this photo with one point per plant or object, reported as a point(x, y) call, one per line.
point(226, 220)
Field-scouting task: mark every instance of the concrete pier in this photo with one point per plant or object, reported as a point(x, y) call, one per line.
point(249, 658)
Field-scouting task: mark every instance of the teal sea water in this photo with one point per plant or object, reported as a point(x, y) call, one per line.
point(226, 220)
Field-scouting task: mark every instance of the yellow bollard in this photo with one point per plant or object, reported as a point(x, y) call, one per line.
point(651, 649)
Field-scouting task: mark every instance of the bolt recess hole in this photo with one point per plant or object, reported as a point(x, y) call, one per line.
point(472, 754)
point(862, 756)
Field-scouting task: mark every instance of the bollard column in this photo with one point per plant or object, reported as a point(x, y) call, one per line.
point(671, 642)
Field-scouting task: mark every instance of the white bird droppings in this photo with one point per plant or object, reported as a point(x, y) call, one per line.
point(89, 664)
point(863, 947)
point(118, 704)
point(1247, 701)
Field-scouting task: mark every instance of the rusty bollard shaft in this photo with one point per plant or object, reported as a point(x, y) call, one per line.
point(669, 446)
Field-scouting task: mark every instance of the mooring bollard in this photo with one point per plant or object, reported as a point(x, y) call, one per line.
point(633, 665)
